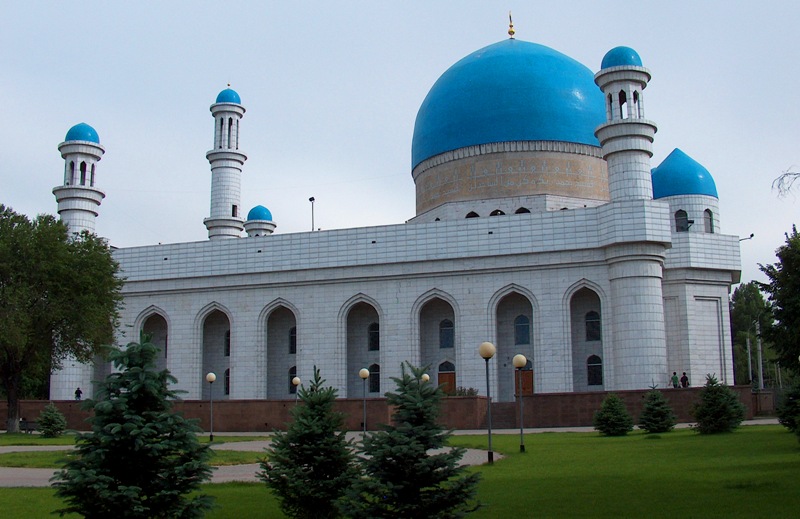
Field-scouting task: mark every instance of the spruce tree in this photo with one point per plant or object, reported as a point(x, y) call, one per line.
point(51, 422)
point(141, 459)
point(311, 464)
point(612, 419)
point(789, 410)
point(402, 476)
point(657, 415)
point(719, 409)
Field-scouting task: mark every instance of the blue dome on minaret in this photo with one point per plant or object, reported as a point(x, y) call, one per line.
point(621, 57)
point(679, 174)
point(509, 91)
point(229, 95)
point(259, 212)
point(82, 132)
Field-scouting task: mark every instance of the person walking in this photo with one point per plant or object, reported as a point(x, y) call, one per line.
point(684, 380)
point(675, 380)
point(78, 394)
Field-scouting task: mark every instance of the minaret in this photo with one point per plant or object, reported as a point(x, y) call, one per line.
point(635, 268)
point(626, 137)
point(226, 168)
point(78, 199)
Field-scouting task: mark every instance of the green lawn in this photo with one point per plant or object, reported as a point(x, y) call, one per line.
point(749, 473)
point(55, 459)
point(7, 439)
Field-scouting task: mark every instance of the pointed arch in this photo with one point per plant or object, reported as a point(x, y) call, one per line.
point(506, 308)
point(213, 323)
point(276, 322)
point(359, 322)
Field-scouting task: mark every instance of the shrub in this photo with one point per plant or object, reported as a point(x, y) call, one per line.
point(51, 422)
point(789, 410)
point(311, 464)
point(612, 419)
point(719, 409)
point(465, 391)
point(657, 415)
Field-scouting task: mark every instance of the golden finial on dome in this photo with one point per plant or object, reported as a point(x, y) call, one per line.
point(510, 26)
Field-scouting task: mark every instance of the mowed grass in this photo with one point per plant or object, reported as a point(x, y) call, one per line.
point(11, 439)
point(55, 459)
point(749, 473)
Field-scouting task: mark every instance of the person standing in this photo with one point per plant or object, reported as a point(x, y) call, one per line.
point(78, 394)
point(675, 380)
point(684, 380)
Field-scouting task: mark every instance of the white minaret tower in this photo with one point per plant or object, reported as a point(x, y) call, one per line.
point(626, 137)
point(78, 202)
point(635, 268)
point(226, 161)
point(78, 199)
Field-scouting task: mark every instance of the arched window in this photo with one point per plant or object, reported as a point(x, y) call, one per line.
point(71, 173)
point(610, 106)
point(593, 330)
point(637, 105)
point(228, 381)
point(375, 379)
point(496, 212)
point(293, 340)
point(594, 370)
point(623, 101)
point(373, 337)
point(447, 367)
point(708, 218)
point(91, 179)
point(446, 334)
point(227, 347)
point(292, 374)
point(472, 214)
point(522, 210)
point(221, 123)
point(522, 330)
point(230, 129)
point(681, 221)
point(83, 173)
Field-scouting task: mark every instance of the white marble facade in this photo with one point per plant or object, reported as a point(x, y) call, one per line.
point(596, 286)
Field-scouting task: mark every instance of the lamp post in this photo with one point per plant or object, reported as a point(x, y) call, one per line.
point(425, 377)
point(312, 199)
point(210, 378)
point(296, 383)
point(364, 374)
point(520, 362)
point(487, 351)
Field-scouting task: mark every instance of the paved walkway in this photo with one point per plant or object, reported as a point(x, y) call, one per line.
point(22, 477)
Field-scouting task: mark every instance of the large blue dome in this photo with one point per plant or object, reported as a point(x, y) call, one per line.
point(229, 96)
point(259, 212)
point(509, 91)
point(679, 174)
point(82, 132)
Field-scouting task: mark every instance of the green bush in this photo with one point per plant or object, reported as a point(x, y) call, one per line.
point(612, 419)
point(789, 411)
point(719, 409)
point(657, 415)
point(51, 422)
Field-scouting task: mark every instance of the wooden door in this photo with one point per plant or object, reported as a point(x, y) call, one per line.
point(527, 381)
point(448, 382)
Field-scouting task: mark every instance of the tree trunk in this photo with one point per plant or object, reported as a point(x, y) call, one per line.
point(12, 422)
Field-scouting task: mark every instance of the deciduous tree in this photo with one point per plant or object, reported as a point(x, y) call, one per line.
point(749, 312)
point(59, 297)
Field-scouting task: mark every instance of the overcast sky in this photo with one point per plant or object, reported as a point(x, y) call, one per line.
point(332, 90)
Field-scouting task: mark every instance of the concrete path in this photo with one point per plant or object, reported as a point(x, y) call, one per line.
point(21, 477)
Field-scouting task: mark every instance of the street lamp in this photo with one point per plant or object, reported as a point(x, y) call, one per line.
point(425, 377)
point(487, 351)
point(364, 374)
point(520, 362)
point(210, 378)
point(296, 383)
point(312, 199)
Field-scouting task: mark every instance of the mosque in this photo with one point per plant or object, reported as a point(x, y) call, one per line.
point(540, 226)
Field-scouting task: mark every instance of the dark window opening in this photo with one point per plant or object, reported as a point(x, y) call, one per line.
point(446, 334)
point(522, 210)
point(83, 173)
point(708, 218)
point(681, 221)
point(228, 381)
point(227, 346)
point(593, 330)
point(496, 212)
point(374, 379)
point(594, 371)
point(292, 374)
point(472, 214)
point(235, 211)
point(293, 340)
point(522, 330)
point(447, 367)
point(373, 337)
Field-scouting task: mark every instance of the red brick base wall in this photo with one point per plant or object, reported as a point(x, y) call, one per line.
point(541, 410)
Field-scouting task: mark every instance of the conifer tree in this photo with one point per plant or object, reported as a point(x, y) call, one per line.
point(657, 415)
point(402, 477)
point(51, 422)
point(789, 410)
point(613, 419)
point(141, 459)
point(311, 464)
point(719, 409)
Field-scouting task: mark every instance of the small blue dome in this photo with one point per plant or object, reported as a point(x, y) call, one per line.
point(229, 96)
point(259, 212)
point(679, 174)
point(82, 132)
point(621, 56)
point(509, 91)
